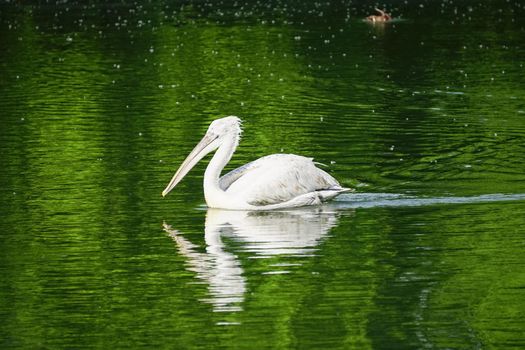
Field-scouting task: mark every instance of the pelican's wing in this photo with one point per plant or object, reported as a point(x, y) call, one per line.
point(226, 180)
point(279, 178)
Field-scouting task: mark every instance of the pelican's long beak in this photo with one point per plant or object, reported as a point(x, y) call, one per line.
point(205, 146)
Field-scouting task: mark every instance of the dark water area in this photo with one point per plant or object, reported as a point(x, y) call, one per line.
point(423, 116)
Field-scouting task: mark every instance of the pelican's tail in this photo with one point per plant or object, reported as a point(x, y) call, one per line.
point(333, 192)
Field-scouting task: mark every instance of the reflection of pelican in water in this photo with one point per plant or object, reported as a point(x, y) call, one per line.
point(294, 232)
point(272, 182)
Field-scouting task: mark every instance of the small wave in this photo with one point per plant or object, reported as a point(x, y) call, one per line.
point(371, 200)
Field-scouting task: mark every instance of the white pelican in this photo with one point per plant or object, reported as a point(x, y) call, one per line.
point(271, 182)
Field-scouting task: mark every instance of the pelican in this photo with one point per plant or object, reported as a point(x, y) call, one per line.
point(272, 182)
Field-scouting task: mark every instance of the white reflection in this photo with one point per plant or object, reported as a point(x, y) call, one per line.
point(293, 233)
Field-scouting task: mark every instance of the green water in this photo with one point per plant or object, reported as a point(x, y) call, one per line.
point(424, 116)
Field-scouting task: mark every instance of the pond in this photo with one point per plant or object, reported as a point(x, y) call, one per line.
point(423, 116)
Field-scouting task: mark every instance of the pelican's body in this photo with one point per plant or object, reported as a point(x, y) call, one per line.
point(271, 182)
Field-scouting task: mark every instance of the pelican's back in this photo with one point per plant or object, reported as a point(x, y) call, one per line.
point(277, 178)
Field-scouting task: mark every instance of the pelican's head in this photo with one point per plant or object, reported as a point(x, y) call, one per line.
point(218, 131)
point(225, 126)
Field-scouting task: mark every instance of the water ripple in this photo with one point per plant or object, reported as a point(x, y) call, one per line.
point(373, 200)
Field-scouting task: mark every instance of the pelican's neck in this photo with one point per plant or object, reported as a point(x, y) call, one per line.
point(222, 156)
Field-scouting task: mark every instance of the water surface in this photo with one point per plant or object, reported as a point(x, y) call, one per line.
point(425, 117)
